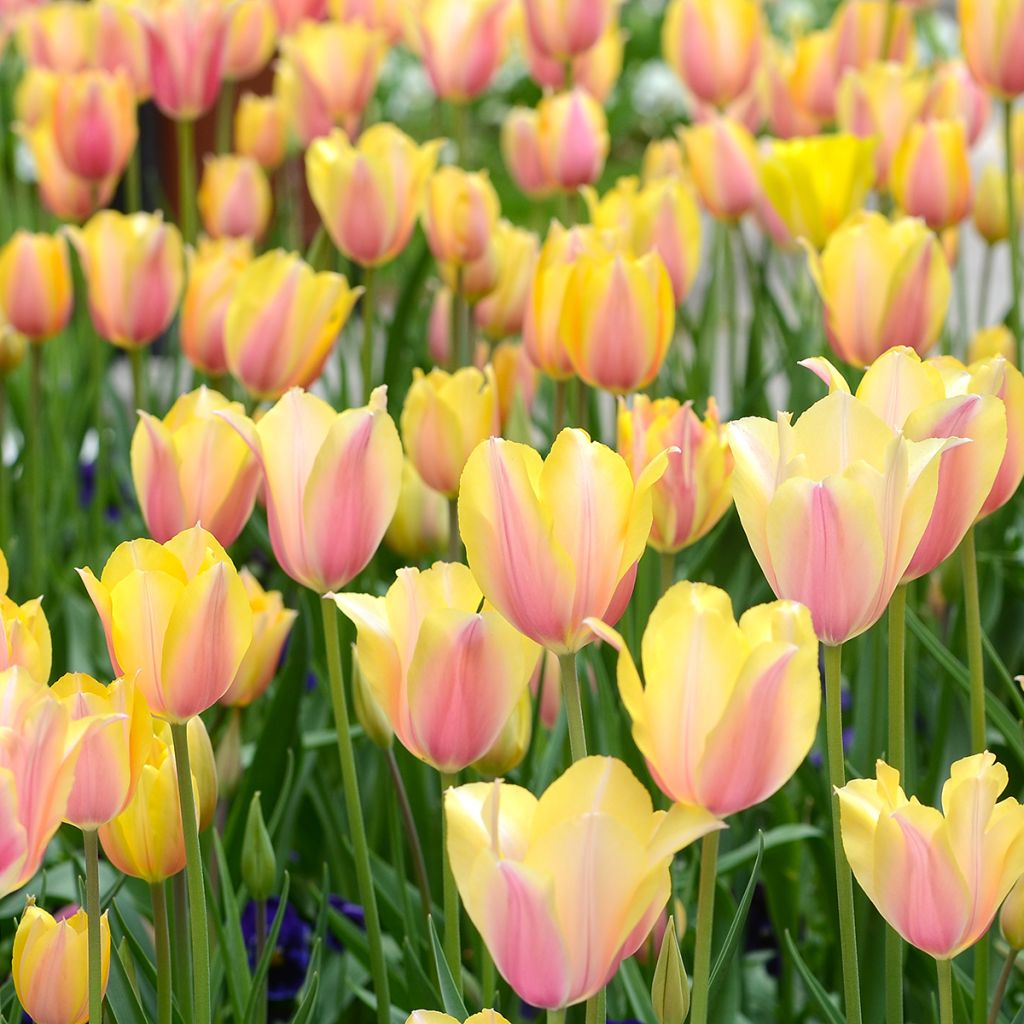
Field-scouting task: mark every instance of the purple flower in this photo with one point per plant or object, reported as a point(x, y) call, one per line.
point(290, 960)
point(353, 911)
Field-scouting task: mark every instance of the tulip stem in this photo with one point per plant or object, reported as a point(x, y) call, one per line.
point(261, 945)
point(181, 975)
point(162, 941)
point(556, 1016)
point(92, 912)
point(897, 759)
point(419, 864)
point(187, 179)
point(558, 412)
point(354, 810)
point(193, 875)
point(844, 878)
point(705, 921)
point(573, 706)
point(944, 969)
point(596, 1008)
point(668, 570)
point(369, 312)
point(225, 115)
point(35, 445)
point(461, 354)
point(452, 932)
point(133, 181)
point(983, 287)
point(137, 356)
point(454, 537)
point(1004, 980)
point(1011, 222)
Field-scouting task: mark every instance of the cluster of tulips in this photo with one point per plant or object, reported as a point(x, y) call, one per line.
point(537, 725)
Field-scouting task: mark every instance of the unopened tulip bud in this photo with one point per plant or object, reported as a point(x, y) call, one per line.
point(516, 378)
point(573, 138)
point(723, 159)
point(1011, 917)
point(439, 327)
point(521, 151)
point(94, 114)
point(369, 714)
point(13, 347)
point(500, 314)
point(459, 215)
point(955, 93)
point(990, 210)
point(931, 174)
point(35, 284)
point(203, 763)
point(512, 744)
point(992, 35)
point(261, 129)
point(252, 37)
point(228, 755)
point(596, 70)
point(234, 198)
point(420, 524)
point(259, 864)
point(667, 222)
point(670, 989)
point(867, 31)
point(813, 77)
point(663, 158)
point(474, 281)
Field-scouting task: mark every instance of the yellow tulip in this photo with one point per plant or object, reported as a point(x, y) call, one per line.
point(1011, 917)
point(990, 212)
point(36, 291)
point(24, 633)
point(513, 743)
point(931, 173)
point(435, 1017)
point(460, 213)
point(723, 160)
point(252, 38)
point(261, 129)
point(420, 525)
point(500, 314)
point(989, 342)
point(663, 158)
point(203, 763)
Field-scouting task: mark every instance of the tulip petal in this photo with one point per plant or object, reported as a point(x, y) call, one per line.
point(155, 470)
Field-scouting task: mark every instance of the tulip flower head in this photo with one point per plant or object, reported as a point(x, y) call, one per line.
point(763, 675)
point(448, 676)
point(595, 70)
point(191, 467)
point(24, 632)
point(562, 29)
point(521, 152)
point(331, 482)
point(252, 37)
point(500, 314)
point(234, 198)
point(291, 14)
point(723, 160)
point(992, 33)
point(937, 877)
point(435, 1017)
point(261, 129)
point(793, 84)
point(516, 378)
point(572, 135)
point(176, 617)
point(667, 222)
point(989, 342)
point(990, 212)
point(931, 174)
point(869, 31)
point(555, 541)
point(460, 214)
point(565, 887)
point(1011, 916)
point(36, 291)
point(663, 158)
point(50, 965)
point(420, 525)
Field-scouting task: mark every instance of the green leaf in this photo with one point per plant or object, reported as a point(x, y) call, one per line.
point(122, 1001)
point(637, 994)
point(814, 987)
point(779, 836)
point(732, 937)
point(308, 1004)
point(263, 967)
point(450, 998)
point(229, 932)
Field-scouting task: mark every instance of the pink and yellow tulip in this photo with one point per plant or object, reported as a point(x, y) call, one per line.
point(36, 291)
point(562, 29)
point(868, 31)
point(460, 214)
point(234, 198)
point(667, 222)
point(573, 137)
point(261, 129)
point(955, 93)
point(723, 160)
point(252, 38)
point(992, 33)
point(500, 313)
point(95, 123)
point(24, 633)
point(931, 174)
point(419, 526)
point(595, 70)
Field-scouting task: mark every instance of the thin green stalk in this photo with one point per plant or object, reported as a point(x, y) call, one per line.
point(419, 864)
point(582, 405)
point(92, 911)
point(396, 843)
point(354, 810)
point(984, 285)
point(1004, 980)
point(193, 876)
point(454, 537)
point(556, 1016)
point(705, 920)
point(596, 1008)
point(730, 350)
point(369, 313)
point(35, 449)
point(133, 181)
point(187, 179)
point(460, 130)
point(452, 931)
point(181, 974)
point(558, 412)
point(667, 563)
point(261, 945)
point(137, 357)
point(897, 759)
point(944, 969)
point(573, 701)
point(225, 115)
point(162, 941)
point(488, 977)
point(1011, 221)
point(844, 877)
point(460, 342)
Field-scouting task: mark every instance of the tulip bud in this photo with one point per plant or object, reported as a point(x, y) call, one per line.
point(989, 342)
point(931, 174)
point(516, 380)
point(94, 112)
point(439, 327)
point(500, 314)
point(261, 130)
point(204, 767)
point(573, 137)
point(24, 633)
point(784, 76)
point(513, 742)
point(259, 864)
point(35, 284)
point(992, 36)
point(521, 152)
point(228, 755)
point(723, 159)
point(1011, 917)
point(252, 37)
point(459, 215)
point(50, 965)
point(234, 198)
point(420, 524)
point(596, 70)
point(478, 279)
point(33, 99)
point(670, 989)
point(369, 714)
point(867, 31)
point(955, 93)
point(561, 29)
point(990, 210)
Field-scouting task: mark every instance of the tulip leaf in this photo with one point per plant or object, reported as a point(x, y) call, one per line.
point(814, 987)
point(122, 1002)
point(732, 937)
point(421, 988)
point(637, 993)
point(450, 998)
point(1019, 1017)
point(229, 934)
point(259, 978)
point(778, 836)
point(308, 1004)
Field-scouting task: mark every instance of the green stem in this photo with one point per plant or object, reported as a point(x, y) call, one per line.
point(369, 312)
point(354, 810)
point(897, 759)
point(419, 864)
point(452, 932)
point(133, 181)
point(454, 537)
point(162, 941)
point(225, 115)
point(1004, 980)
point(1011, 220)
point(582, 405)
point(667, 564)
point(944, 969)
point(92, 911)
point(556, 1016)
point(844, 878)
point(182, 962)
point(187, 179)
point(983, 286)
point(458, 325)
point(705, 920)
point(488, 978)
point(558, 412)
point(573, 706)
point(35, 448)
point(596, 1008)
point(193, 875)
point(261, 945)
point(137, 357)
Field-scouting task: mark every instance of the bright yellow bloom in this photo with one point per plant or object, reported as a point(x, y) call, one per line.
point(500, 314)
point(261, 129)
point(990, 211)
point(931, 173)
point(436, 1017)
point(24, 633)
point(1011, 917)
point(36, 291)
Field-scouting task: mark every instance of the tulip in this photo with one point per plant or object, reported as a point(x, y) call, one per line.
point(1011, 917)
point(385, 15)
point(459, 215)
point(260, 129)
point(191, 467)
point(663, 158)
point(214, 272)
point(564, 29)
point(187, 42)
point(991, 219)
point(572, 133)
point(252, 37)
point(445, 416)
point(327, 75)
point(94, 114)
point(516, 380)
point(175, 615)
point(461, 44)
point(283, 321)
point(500, 314)
point(881, 101)
point(292, 14)
point(33, 99)
point(420, 525)
point(234, 198)
point(614, 215)
point(867, 31)
point(50, 965)
point(133, 269)
point(937, 877)
point(203, 764)
point(723, 160)
point(477, 279)
point(931, 175)
point(331, 482)
point(146, 840)
point(694, 492)
point(24, 633)
point(36, 291)
point(110, 761)
point(513, 742)
point(618, 320)
point(369, 195)
point(714, 46)
point(992, 36)
point(667, 222)
point(435, 1017)
point(439, 327)
point(834, 507)
point(13, 347)
point(883, 283)
point(271, 625)
point(954, 93)
point(989, 342)
point(815, 184)
point(786, 92)
point(591, 839)
point(546, 551)
point(814, 74)
point(596, 70)
point(521, 152)
point(763, 673)
point(912, 397)
point(447, 676)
